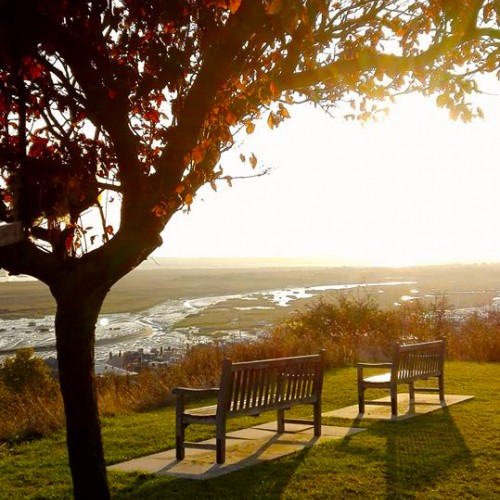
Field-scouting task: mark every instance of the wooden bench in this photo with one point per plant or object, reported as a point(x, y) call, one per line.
point(411, 362)
point(251, 388)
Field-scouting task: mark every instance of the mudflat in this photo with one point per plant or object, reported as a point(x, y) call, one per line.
point(463, 285)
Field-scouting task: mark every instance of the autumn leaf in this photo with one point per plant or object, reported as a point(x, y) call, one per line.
point(284, 112)
point(253, 160)
point(109, 229)
point(231, 118)
point(242, 158)
point(442, 100)
point(180, 188)
point(379, 74)
point(152, 115)
point(198, 154)
point(273, 7)
point(163, 208)
point(188, 199)
point(250, 128)
point(271, 120)
point(33, 68)
point(275, 91)
point(68, 242)
point(169, 28)
point(38, 146)
point(234, 5)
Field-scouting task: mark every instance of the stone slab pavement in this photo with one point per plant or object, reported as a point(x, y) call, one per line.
point(260, 443)
point(243, 448)
point(424, 403)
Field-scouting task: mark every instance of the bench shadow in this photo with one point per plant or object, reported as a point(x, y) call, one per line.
point(419, 452)
point(273, 477)
point(270, 482)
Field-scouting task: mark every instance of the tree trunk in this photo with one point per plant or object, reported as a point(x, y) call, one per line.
point(76, 317)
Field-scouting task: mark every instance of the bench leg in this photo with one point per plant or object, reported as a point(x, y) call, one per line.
point(179, 442)
point(394, 400)
point(411, 394)
point(441, 388)
point(221, 442)
point(317, 418)
point(361, 399)
point(281, 421)
point(180, 427)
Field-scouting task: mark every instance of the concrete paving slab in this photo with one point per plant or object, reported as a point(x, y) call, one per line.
point(244, 448)
point(424, 403)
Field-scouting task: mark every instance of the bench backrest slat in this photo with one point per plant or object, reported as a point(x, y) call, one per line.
point(417, 360)
point(250, 385)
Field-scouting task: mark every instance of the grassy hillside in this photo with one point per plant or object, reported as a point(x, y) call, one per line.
point(452, 453)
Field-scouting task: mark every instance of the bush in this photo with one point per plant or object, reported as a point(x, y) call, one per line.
point(26, 371)
point(30, 403)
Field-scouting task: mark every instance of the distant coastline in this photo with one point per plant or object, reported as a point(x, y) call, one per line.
point(184, 303)
point(186, 278)
point(285, 262)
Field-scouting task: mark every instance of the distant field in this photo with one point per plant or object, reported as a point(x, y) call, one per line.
point(464, 286)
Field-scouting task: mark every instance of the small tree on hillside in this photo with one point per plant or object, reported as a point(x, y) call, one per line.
point(136, 99)
point(26, 372)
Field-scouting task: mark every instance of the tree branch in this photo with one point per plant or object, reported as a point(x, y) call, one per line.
point(26, 258)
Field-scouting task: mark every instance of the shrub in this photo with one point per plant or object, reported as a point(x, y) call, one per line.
point(26, 371)
point(30, 403)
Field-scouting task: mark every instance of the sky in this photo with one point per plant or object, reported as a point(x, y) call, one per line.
point(412, 189)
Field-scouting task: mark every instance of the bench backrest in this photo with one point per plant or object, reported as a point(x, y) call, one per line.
point(417, 360)
point(250, 386)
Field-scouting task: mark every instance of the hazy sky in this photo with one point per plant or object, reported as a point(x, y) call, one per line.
point(415, 188)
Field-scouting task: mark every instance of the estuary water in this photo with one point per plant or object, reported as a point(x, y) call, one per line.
point(155, 327)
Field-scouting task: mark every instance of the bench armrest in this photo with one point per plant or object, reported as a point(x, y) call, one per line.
point(362, 366)
point(374, 365)
point(199, 393)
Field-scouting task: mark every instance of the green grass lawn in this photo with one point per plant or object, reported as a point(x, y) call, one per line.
point(451, 453)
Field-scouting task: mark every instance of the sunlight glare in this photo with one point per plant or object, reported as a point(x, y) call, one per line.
point(415, 188)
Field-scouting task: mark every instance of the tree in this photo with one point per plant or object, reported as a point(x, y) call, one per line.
point(136, 100)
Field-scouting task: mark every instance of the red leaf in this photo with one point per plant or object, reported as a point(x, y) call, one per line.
point(69, 242)
point(152, 115)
